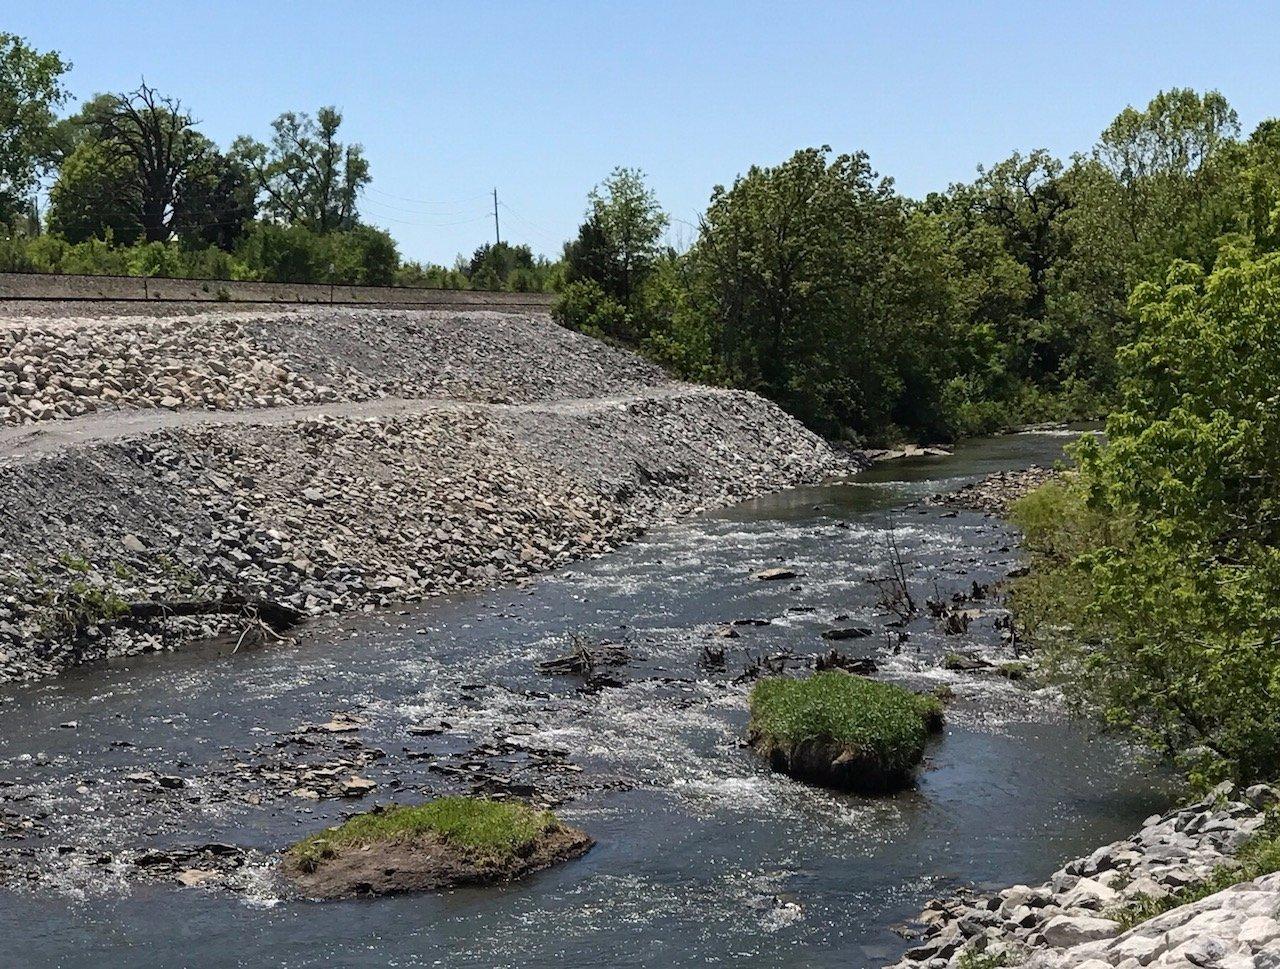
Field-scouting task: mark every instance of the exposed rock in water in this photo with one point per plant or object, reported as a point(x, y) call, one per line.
point(847, 632)
point(407, 849)
point(997, 492)
point(775, 574)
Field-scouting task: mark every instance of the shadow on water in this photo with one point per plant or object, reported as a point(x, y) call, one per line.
point(704, 856)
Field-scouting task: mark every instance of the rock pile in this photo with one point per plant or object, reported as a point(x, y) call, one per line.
point(330, 512)
point(997, 492)
point(1068, 921)
point(60, 368)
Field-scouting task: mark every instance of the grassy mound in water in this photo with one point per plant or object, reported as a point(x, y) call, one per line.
point(842, 731)
point(446, 842)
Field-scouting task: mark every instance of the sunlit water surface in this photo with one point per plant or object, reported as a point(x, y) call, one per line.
point(704, 856)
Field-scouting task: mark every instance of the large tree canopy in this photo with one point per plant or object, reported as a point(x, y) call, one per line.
point(308, 176)
point(30, 90)
point(134, 165)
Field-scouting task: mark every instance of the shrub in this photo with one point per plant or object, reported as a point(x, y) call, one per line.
point(1157, 592)
point(585, 307)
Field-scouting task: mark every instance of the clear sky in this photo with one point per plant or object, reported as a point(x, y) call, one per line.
point(542, 99)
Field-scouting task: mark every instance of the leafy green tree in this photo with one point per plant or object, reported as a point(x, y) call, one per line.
point(133, 167)
point(804, 272)
point(90, 199)
point(1258, 186)
point(309, 177)
point(30, 90)
point(1172, 598)
point(152, 142)
point(619, 242)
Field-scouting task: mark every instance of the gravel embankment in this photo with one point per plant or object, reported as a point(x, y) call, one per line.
point(1067, 923)
point(370, 457)
point(68, 366)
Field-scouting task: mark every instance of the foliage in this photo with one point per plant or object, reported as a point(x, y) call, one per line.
point(293, 254)
point(882, 720)
point(502, 266)
point(583, 305)
point(493, 827)
point(1259, 856)
point(618, 244)
point(309, 177)
point(134, 166)
point(30, 89)
point(1159, 590)
point(983, 960)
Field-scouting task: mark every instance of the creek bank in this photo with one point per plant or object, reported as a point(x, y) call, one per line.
point(1067, 922)
point(518, 462)
point(996, 493)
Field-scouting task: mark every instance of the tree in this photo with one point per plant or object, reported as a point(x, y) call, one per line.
point(809, 274)
point(1172, 602)
point(1025, 199)
point(309, 177)
point(218, 201)
point(492, 265)
point(91, 198)
point(132, 166)
point(618, 243)
point(30, 90)
point(153, 142)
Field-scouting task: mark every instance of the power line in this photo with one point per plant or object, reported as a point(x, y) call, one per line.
point(405, 198)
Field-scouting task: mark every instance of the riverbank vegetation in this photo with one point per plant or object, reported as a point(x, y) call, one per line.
point(870, 315)
point(1155, 597)
point(842, 730)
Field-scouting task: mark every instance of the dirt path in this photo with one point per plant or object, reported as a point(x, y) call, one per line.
point(30, 442)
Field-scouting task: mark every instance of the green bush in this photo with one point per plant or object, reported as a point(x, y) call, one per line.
point(584, 306)
point(1157, 589)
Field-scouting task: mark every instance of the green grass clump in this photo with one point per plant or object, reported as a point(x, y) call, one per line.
point(492, 827)
point(984, 960)
point(1259, 856)
point(879, 720)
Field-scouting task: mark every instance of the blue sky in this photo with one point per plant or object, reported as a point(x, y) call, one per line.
point(542, 99)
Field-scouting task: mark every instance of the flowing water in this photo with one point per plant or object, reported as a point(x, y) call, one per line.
point(704, 856)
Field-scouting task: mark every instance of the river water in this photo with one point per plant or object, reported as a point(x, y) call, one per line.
point(704, 857)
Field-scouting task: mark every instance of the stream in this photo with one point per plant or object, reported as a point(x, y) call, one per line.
point(704, 856)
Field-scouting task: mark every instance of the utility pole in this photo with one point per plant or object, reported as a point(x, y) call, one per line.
point(496, 234)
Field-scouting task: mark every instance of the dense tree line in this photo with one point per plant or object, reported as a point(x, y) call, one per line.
point(134, 187)
point(869, 314)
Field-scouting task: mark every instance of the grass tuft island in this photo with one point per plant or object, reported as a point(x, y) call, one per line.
point(441, 844)
point(842, 731)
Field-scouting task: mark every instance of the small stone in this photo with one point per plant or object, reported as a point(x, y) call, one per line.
point(775, 574)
